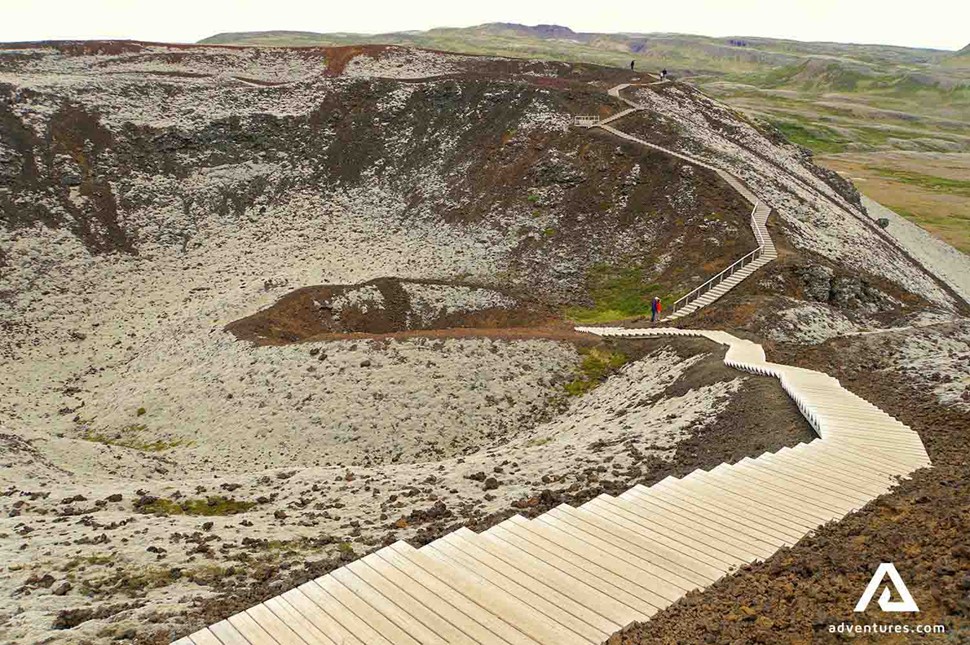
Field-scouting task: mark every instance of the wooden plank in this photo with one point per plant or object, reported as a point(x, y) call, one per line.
point(431, 612)
point(651, 513)
point(688, 565)
point(250, 630)
point(747, 493)
point(365, 612)
point(563, 592)
point(648, 585)
point(227, 634)
point(350, 621)
point(642, 601)
point(826, 466)
point(203, 637)
point(779, 479)
point(750, 541)
point(272, 625)
point(322, 620)
point(711, 500)
point(563, 612)
point(871, 464)
point(386, 608)
point(497, 628)
point(583, 590)
point(739, 480)
point(536, 626)
point(781, 468)
point(297, 622)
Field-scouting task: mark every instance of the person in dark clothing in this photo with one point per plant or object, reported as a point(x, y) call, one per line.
point(663, 75)
point(655, 308)
point(632, 63)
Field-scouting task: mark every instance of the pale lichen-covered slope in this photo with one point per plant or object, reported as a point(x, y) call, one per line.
point(816, 215)
point(121, 562)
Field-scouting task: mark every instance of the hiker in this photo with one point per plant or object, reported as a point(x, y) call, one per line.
point(655, 308)
point(632, 63)
point(663, 75)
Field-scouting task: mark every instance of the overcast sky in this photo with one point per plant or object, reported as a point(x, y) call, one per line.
point(941, 24)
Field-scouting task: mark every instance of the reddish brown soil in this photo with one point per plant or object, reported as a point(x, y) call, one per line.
point(297, 316)
point(923, 527)
point(338, 57)
point(650, 126)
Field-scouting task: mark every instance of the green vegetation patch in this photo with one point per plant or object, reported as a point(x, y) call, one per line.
point(814, 137)
point(81, 562)
point(928, 182)
point(952, 229)
point(596, 366)
point(215, 505)
point(132, 436)
point(618, 293)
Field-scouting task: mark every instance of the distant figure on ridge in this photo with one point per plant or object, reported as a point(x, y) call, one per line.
point(655, 308)
point(663, 75)
point(632, 63)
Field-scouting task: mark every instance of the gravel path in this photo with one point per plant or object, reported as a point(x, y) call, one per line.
point(949, 264)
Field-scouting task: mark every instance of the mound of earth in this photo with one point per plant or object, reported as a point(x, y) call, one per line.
point(382, 306)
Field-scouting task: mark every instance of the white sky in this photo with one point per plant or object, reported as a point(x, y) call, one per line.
point(941, 24)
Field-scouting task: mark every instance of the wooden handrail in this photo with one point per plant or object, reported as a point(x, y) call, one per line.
point(695, 293)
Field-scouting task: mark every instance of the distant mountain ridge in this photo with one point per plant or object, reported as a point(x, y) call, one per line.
point(683, 51)
point(830, 97)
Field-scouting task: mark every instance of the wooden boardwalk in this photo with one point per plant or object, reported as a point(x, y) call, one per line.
point(578, 574)
point(717, 285)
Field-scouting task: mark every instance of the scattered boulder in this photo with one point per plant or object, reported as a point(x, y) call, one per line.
point(817, 280)
point(62, 588)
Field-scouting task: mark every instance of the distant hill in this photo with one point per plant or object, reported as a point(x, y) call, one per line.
point(682, 52)
point(960, 58)
point(830, 97)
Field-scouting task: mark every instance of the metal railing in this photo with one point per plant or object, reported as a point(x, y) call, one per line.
point(697, 292)
point(585, 120)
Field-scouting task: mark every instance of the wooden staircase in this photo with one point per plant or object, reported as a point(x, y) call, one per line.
point(727, 279)
point(576, 575)
point(579, 574)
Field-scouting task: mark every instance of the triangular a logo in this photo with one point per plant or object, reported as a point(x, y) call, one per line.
point(905, 604)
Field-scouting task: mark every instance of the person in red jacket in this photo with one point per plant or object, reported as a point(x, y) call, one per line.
point(655, 308)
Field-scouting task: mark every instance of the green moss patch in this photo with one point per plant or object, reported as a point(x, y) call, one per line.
point(215, 505)
point(133, 436)
point(927, 182)
point(618, 293)
point(596, 366)
point(815, 138)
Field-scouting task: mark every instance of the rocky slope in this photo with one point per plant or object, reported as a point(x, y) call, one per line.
point(263, 310)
